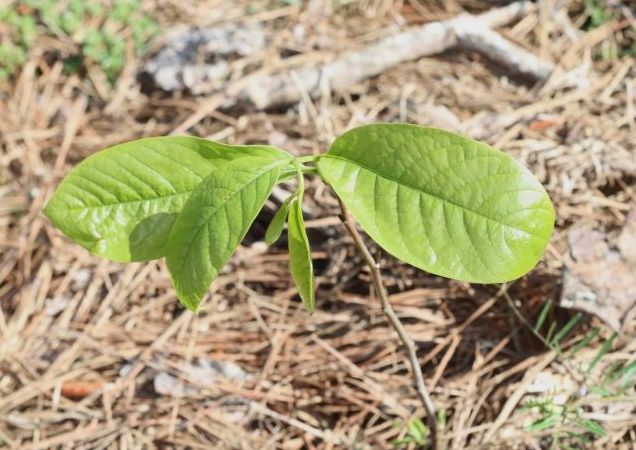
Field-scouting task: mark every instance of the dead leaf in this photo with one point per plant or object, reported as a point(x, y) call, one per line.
point(601, 280)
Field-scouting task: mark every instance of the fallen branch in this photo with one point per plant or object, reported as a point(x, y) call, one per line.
point(387, 309)
point(464, 32)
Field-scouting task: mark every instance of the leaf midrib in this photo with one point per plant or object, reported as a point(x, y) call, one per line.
point(129, 202)
point(436, 197)
point(202, 225)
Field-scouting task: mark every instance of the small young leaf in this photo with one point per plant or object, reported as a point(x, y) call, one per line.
point(121, 202)
point(592, 426)
point(545, 422)
point(441, 418)
point(215, 219)
point(441, 202)
point(300, 256)
point(275, 227)
point(418, 431)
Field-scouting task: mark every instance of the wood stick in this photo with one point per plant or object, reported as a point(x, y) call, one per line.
point(387, 309)
point(465, 32)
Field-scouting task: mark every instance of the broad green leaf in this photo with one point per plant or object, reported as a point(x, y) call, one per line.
point(215, 220)
point(275, 228)
point(300, 263)
point(441, 202)
point(121, 202)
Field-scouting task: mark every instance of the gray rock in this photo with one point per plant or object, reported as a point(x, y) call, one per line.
point(198, 59)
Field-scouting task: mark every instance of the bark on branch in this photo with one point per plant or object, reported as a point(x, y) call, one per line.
point(463, 32)
point(387, 309)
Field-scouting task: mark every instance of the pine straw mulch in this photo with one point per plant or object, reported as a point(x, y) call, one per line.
point(95, 354)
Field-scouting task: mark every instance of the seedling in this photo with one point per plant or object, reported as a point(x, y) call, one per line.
point(439, 201)
point(436, 200)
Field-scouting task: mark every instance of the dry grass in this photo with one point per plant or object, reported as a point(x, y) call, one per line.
point(95, 354)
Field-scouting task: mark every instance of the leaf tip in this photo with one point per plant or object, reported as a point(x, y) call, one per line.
point(194, 307)
point(47, 210)
point(191, 302)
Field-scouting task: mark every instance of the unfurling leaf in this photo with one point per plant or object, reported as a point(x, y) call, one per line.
point(275, 228)
point(441, 202)
point(215, 220)
point(300, 263)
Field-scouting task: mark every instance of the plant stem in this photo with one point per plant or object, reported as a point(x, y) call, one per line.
point(307, 158)
point(301, 179)
point(387, 309)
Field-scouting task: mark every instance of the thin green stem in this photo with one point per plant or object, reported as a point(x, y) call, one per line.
point(310, 170)
point(301, 179)
point(307, 158)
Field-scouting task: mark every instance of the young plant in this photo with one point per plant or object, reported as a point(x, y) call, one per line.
point(436, 200)
point(439, 201)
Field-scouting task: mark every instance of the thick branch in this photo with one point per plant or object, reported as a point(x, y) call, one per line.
point(464, 32)
point(407, 342)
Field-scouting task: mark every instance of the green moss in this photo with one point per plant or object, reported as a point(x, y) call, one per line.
point(102, 45)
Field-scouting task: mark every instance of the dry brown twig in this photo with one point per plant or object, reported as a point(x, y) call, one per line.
point(464, 32)
point(467, 32)
point(387, 309)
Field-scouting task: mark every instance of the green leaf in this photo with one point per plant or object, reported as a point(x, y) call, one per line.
point(605, 348)
point(545, 422)
point(578, 437)
point(418, 431)
point(601, 391)
point(627, 375)
point(275, 228)
point(441, 202)
point(121, 202)
point(543, 315)
point(585, 341)
point(215, 220)
point(300, 256)
point(441, 418)
point(591, 426)
point(574, 320)
point(551, 330)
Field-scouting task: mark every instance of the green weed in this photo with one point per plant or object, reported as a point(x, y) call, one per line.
point(566, 422)
point(98, 29)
